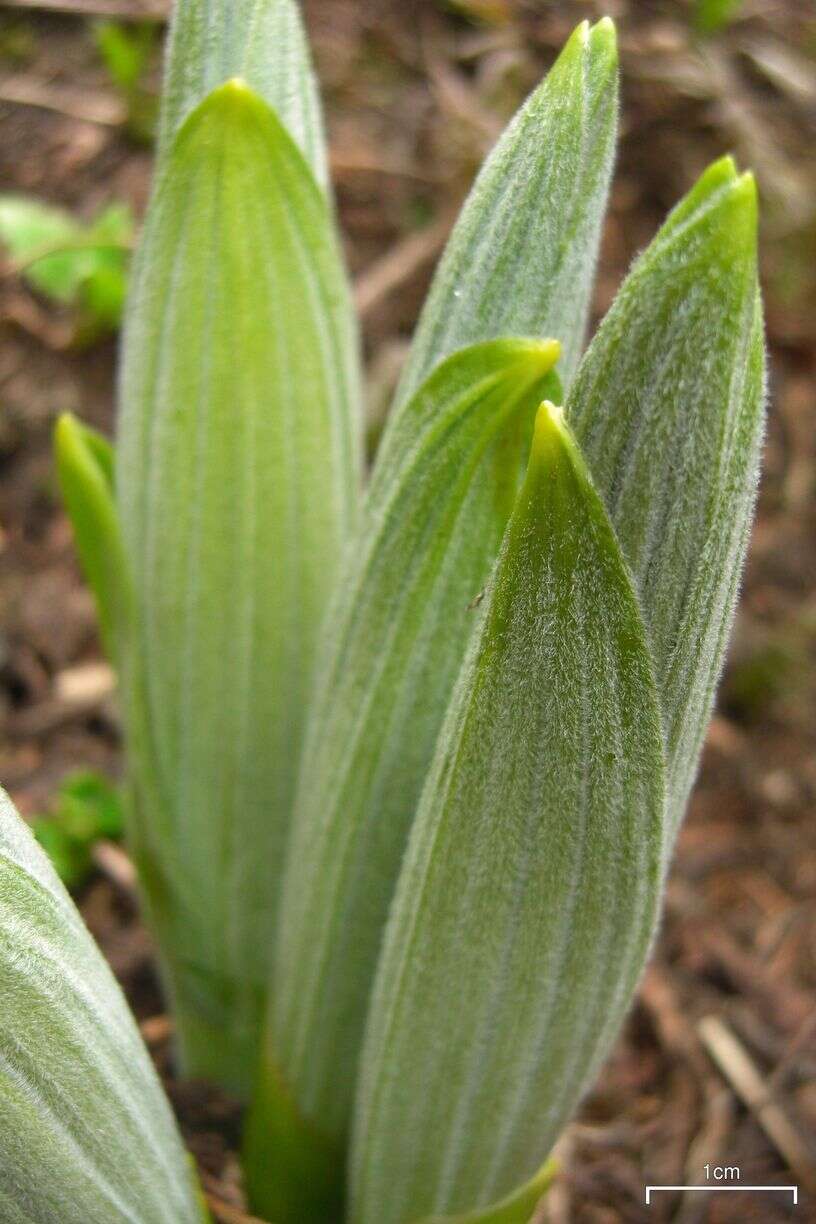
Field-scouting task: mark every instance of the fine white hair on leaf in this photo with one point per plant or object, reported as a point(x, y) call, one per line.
point(668, 407)
point(86, 1133)
point(442, 490)
point(237, 485)
point(528, 896)
point(521, 258)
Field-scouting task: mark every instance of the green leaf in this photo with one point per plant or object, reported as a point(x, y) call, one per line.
point(85, 472)
point(262, 41)
point(668, 409)
point(86, 1133)
point(70, 262)
point(521, 259)
point(441, 494)
point(710, 16)
point(125, 50)
point(87, 808)
point(237, 485)
point(528, 895)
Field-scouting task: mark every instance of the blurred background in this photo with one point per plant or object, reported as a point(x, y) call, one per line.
point(717, 1063)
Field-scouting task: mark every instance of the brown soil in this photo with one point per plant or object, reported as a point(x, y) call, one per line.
point(415, 94)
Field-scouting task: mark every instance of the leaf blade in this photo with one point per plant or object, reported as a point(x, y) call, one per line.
point(86, 1131)
point(521, 258)
point(668, 406)
point(237, 483)
point(538, 839)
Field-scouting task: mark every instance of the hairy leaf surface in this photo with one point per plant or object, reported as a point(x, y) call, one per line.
point(262, 41)
point(668, 409)
point(86, 1133)
point(441, 494)
point(237, 485)
point(521, 259)
point(527, 898)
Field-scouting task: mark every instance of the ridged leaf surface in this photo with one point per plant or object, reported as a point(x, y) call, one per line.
point(237, 486)
point(668, 409)
point(86, 1133)
point(521, 259)
point(527, 898)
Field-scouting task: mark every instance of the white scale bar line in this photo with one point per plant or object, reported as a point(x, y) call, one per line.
point(794, 1190)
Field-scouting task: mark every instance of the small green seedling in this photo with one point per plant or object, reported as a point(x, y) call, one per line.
point(87, 809)
point(127, 52)
point(711, 16)
point(82, 266)
point(406, 755)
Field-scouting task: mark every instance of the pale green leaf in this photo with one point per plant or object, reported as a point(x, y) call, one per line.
point(668, 408)
point(85, 471)
point(86, 1133)
point(441, 494)
point(237, 484)
point(521, 259)
point(262, 41)
point(528, 895)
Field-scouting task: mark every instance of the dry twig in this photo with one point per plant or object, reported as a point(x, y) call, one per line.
point(401, 263)
point(733, 1060)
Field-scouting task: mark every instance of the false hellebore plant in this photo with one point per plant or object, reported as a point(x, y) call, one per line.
point(404, 766)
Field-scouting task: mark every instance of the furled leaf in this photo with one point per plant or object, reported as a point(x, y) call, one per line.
point(237, 484)
point(668, 409)
point(527, 898)
point(521, 259)
point(86, 1134)
point(441, 494)
point(262, 41)
point(85, 471)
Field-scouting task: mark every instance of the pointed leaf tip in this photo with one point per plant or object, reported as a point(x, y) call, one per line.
point(262, 42)
point(541, 354)
point(604, 37)
point(522, 255)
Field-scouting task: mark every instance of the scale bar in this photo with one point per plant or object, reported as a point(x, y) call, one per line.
point(794, 1190)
